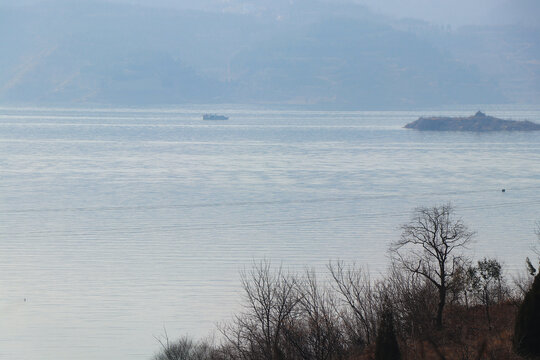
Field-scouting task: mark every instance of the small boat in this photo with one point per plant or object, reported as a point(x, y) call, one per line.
point(214, 117)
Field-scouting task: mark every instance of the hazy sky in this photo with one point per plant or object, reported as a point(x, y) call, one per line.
point(454, 12)
point(461, 12)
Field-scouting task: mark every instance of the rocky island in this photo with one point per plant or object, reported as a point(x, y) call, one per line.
point(479, 122)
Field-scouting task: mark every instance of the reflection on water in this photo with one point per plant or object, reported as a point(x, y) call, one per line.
point(117, 224)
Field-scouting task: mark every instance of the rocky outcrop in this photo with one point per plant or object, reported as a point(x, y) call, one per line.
point(479, 122)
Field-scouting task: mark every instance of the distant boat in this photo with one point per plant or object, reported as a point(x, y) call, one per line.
point(214, 117)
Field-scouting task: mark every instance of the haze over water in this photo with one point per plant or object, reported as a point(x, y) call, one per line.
point(118, 223)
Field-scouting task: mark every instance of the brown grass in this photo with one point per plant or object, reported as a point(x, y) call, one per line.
point(465, 336)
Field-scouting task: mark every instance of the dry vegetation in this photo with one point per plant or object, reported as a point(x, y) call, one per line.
point(350, 316)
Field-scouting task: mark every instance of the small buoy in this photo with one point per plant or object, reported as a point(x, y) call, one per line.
point(503, 190)
point(24, 299)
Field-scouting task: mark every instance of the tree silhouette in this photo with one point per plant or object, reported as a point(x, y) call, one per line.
point(430, 247)
point(386, 345)
point(527, 330)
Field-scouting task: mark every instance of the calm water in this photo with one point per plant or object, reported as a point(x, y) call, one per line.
point(116, 224)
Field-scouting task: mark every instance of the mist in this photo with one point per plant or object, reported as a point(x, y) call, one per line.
point(342, 54)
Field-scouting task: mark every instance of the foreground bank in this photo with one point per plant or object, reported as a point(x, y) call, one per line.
point(433, 303)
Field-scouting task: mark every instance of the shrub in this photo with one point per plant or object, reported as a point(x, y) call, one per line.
point(386, 347)
point(527, 328)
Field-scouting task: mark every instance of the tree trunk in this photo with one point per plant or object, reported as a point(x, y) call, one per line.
point(486, 303)
point(442, 302)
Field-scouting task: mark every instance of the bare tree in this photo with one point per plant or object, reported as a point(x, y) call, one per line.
point(412, 298)
point(271, 297)
point(185, 349)
point(361, 300)
point(316, 334)
point(431, 246)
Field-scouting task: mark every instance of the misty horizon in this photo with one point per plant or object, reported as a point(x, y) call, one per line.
point(323, 54)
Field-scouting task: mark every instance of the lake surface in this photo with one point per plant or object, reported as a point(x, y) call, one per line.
point(119, 223)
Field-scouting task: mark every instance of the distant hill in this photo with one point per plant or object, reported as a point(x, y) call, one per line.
point(479, 122)
point(62, 52)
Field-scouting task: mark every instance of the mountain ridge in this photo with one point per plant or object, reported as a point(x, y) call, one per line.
point(131, 55)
